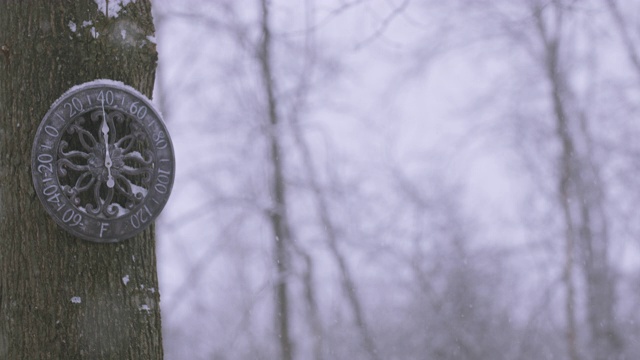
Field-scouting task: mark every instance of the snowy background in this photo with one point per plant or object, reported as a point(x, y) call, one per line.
point(459, 179)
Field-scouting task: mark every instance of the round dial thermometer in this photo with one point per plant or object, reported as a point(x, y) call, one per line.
point(102, 161)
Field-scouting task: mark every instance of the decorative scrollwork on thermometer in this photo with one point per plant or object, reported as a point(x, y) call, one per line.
point(103, 162)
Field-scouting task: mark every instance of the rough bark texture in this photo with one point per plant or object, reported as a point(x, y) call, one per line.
point(41, 267)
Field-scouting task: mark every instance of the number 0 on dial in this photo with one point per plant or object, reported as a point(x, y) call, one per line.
point(102, 161)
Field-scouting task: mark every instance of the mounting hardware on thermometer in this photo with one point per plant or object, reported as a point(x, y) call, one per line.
point(102, 161)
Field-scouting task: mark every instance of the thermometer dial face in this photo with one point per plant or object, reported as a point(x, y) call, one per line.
point(102, 161)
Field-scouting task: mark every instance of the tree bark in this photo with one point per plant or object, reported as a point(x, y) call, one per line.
point(47, 47)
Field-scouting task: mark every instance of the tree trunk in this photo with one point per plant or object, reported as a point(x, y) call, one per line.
point(47, 47)
point(278, 213)
point(566, 164)
point(581, 198)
